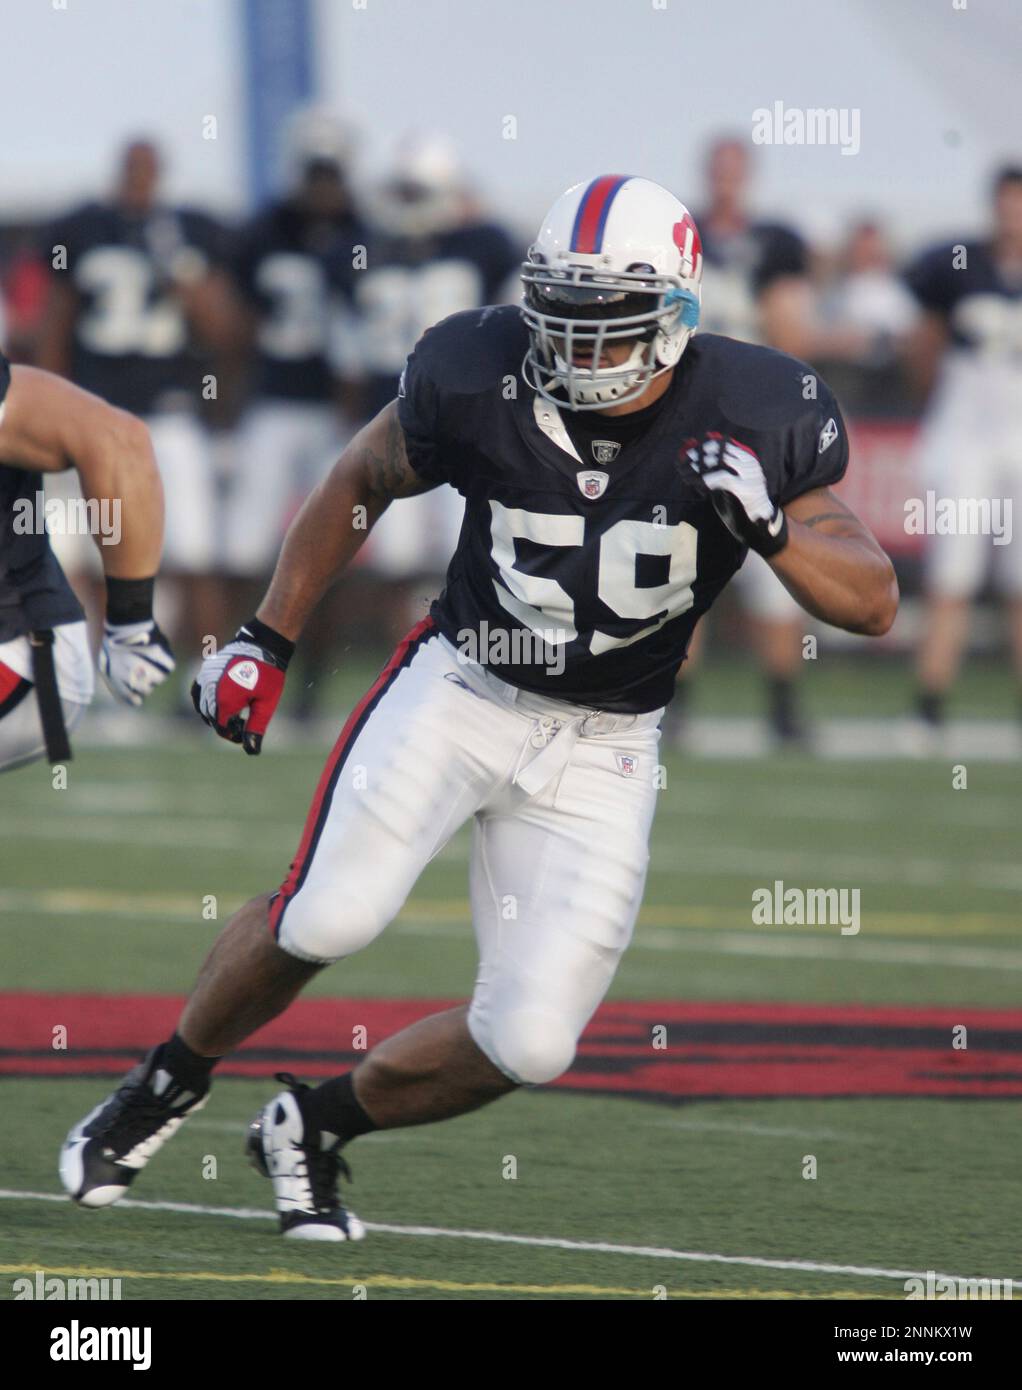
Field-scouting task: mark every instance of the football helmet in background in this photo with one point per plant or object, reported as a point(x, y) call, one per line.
point(315, 141)
point(617, 260)
point(424, 191)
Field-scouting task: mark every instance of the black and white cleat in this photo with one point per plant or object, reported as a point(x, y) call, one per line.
point(304, 1167)
point(103, 1153)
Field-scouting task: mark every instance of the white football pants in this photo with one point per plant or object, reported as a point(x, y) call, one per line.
point(21, 729)
point(563, 801)
point(283, 449)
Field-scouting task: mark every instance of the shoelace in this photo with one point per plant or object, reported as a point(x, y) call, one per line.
point(138, 1116)
point(323, 1167)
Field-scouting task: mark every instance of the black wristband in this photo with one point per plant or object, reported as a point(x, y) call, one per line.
point(767, 543)
point(129, 600)
point(270, 640)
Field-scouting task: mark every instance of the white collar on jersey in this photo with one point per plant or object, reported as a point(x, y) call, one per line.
point(548, 418)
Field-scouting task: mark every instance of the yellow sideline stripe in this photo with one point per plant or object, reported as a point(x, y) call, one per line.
point(949, 924)
point(95, 900)
point(393, 1281)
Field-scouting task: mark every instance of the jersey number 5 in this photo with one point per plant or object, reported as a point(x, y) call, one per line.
point(541, 604)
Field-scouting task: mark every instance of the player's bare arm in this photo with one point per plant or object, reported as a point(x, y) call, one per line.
point(834, 566)
point(48, 426)
point(817, 547)
point(213, 309)
point(323, 539)
point(333, 524)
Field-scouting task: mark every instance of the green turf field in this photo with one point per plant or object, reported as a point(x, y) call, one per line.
point(102, 890)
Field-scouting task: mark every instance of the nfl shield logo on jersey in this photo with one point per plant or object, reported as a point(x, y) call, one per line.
point(593, 484)
point(627, 764)
point(605, 450)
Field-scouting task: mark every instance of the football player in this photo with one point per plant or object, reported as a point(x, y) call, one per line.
point(968, 348)
point(431, 254)
point(138, 290)
point(616, 472)
point(286, 265)
point(756, 278)
point(47, 425)
point(291, 266)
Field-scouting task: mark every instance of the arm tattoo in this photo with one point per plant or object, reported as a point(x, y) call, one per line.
point(826, 516)
point(388, 471)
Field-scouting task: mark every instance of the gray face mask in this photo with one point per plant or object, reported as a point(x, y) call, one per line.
point(579, 313)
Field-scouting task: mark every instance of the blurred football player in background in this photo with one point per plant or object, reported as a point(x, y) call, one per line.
point(46, 682)
point(756, 288)
point(139, 297)
point(968, 351)
point(868, 314)
point(868, 294)
point(432, 253)
point(290, 264)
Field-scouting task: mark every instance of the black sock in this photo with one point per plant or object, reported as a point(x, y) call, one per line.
point(930, 706)
point(781, 696)
point(334, 1107)
point(186, 1066)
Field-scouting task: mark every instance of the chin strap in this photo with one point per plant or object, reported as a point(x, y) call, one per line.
point(629, 375)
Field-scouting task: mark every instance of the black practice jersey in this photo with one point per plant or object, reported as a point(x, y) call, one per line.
point(981, 306)
point(737, 269)
point(33, 591)
point(410, 283)
point(131, 342)
point(290, 268)
point(609, 559)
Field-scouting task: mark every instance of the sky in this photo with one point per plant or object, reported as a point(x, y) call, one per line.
point(624, 86)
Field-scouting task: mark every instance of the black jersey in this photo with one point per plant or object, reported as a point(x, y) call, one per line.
point(410, 283)
point(33, 591)
point(981, 306)
point(597, 566)
point(131, 342)
point(290, 267)
point(737, 269)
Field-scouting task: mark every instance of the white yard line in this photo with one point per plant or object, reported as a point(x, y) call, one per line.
point(594, 1247)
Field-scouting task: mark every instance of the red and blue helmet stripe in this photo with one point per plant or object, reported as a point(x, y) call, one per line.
point(593, 210)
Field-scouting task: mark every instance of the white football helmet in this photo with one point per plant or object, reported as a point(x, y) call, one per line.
point(617, 260)
point(313, 136)
point(424, 190)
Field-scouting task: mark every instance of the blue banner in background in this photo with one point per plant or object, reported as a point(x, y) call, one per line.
point(278, 78)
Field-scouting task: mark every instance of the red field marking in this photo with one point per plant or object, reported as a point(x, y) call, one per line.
point(714, 1050)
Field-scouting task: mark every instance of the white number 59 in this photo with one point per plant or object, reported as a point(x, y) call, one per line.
point(543, 605)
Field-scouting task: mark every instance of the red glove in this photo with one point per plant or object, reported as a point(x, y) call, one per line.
point(248, 674)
